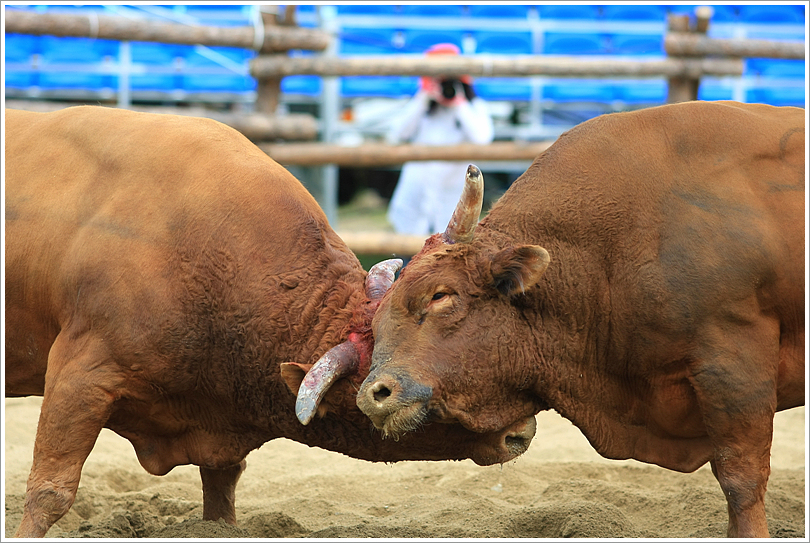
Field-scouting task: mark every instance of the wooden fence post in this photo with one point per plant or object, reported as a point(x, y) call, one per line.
point(268, 89)
point(683, 88)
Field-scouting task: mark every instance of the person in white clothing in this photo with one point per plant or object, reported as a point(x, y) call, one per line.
point(444, 111)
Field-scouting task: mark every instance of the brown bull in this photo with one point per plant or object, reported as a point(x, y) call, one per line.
point(162, 273)
point(644, 278)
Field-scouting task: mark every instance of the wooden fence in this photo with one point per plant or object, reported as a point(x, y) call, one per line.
point(691, 55)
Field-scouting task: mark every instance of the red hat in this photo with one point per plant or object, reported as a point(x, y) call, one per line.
point(443, 49)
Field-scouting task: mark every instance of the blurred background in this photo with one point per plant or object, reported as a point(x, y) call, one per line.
point(50, 71)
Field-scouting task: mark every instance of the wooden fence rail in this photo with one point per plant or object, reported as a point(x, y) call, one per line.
point(491, 66)
point(93, 25)
point(381, 154)
point(699, 45)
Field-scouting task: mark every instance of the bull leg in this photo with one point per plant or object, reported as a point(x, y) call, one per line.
point(736, 391)
point(74, 409)
point(219, 492)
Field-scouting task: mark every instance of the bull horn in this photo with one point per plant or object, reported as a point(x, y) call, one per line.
point(380, 277)
point(338, 361)
point(462, 224)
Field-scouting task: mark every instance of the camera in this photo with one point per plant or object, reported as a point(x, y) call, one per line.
point(449, 88)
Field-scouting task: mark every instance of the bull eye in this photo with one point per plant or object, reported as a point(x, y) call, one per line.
point(439, 296)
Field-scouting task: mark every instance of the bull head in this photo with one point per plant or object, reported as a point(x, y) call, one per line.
point(313, 382)
point(422, 369)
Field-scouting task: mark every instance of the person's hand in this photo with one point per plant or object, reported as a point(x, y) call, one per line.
point(433, 88)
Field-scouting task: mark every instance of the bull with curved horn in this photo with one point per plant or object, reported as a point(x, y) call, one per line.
point(343, 359)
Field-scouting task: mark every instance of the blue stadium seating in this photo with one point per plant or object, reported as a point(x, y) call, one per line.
point(647, 92)
point(634, 12)
point(766, 80)
point(568, 11)
point(568, 43)
point(219, 14)
point(432, 10)
point(86, 52)
point(773, 67)
point(20, 48)
point(376, 85)
point(419, 40)
point(711, 91)
point(769, 14)
point(152, 54)
point(778, 96)
point(637, 44)
point(307, 85)
point(367, 41)
point(220, 79)
point(367, 9)
point(579, 90)
point(784, 34)
point(503, 10)
point(503, 42)
point(503, 88)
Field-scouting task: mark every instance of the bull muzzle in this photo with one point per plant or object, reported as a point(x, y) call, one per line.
point(394, 403)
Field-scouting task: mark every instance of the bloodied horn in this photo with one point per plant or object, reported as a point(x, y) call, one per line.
point(342, 359)
point(462, 224)
point(380, 277)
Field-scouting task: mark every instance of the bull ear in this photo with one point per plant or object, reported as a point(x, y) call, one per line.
point(293, 373)
point(516, 269)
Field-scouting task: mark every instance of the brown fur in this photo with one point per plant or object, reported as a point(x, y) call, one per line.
point(669, 325)
point(159, 269)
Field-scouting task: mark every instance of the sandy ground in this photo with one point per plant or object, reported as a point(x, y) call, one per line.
point(559, 488)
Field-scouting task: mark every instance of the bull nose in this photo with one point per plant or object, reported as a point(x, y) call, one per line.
point(506, 444)
point(394, 403)
point(517, 441)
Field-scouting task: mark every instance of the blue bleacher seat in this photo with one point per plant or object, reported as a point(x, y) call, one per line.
point(579, 90)
point(503, 88)
point(778, 96)
point(503, 10)
point(374, 85)
point(646, 92)
point(637, 44)
point(221, 79)
point(569, 43)
point(432, 10)
point(153, 55)
point(503, 43)
point(634, 12)
point(770, 14)
point(711, 91)
point(85, 52)
point(783, 34)
point(367, 9)
point(367, 41)
point(73, 9)
point(773, 67)
point(418, 40)
point(309, 85)
point(20, 48)
point(219, 14)
point(567, 11)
